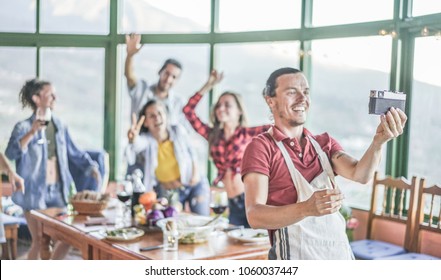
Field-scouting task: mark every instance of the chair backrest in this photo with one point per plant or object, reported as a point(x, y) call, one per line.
point(397, 199)
point(428, 215)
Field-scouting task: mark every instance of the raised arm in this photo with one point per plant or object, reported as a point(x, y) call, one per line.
point(133, 42)
point(190, 108)
point(391, 126)
point(214, 78)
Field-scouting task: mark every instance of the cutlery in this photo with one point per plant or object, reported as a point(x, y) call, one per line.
point(150, 248)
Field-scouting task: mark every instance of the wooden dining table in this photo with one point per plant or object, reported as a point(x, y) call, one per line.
point(91, 240)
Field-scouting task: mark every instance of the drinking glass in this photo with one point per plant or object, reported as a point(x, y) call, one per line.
point(219, 202)
point(44, 115)
point(124, 194)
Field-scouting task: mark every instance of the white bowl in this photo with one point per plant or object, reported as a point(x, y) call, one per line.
point(193, 229)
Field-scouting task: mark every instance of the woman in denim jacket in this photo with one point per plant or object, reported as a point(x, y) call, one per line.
point(42, 161)
point(168, 158)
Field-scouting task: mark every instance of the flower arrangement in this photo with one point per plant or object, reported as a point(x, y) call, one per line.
point(351, 222)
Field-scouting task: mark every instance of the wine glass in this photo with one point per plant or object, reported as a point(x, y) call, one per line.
point(44, 116)
point(218, 203)
point(124, 194)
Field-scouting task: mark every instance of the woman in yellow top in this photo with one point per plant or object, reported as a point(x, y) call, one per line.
point(164, 153)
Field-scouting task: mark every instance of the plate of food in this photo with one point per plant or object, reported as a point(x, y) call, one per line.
point(249, 235)
point(123, 234)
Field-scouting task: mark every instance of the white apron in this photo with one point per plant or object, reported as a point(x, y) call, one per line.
point(313, 238)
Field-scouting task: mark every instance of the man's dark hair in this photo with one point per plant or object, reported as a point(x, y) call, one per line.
point(271, 85)
point(171, 61)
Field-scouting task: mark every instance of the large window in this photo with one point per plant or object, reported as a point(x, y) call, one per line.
point(335, 12)
point(79, 46)
point(75, 17)
point(343, 73)
point(248, 78)
point(10, 22)
point(250, 15)
point(78, 77)
point(16, 66)
point(425, 7)
point(165, 16)
point(425, 122)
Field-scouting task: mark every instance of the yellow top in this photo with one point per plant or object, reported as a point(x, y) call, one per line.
point(168, 167)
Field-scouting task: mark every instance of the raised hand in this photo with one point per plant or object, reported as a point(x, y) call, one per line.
point(215, 78)
point(135, 128)
point(133, 42)
point(391, 126)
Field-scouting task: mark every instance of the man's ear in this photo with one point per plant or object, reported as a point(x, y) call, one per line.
point(269, 101)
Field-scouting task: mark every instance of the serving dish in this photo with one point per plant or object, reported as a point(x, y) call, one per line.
point(123, 234)
point(193, 229)
point(249, 235)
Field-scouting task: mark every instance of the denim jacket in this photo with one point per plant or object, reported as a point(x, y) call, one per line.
point(147, 144)
point(31, 161)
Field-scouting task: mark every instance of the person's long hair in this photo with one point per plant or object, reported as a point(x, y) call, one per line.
point(215, 134)
point(144, 108)
point(30, 88)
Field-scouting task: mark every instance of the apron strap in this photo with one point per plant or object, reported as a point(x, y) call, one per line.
point(326, 165)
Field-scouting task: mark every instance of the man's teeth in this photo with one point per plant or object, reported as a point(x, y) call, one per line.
point(299, 108)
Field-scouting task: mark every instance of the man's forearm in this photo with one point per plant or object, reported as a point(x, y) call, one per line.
point(366, 166)
point(129, 72)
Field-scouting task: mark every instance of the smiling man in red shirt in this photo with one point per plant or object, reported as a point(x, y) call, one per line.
point(288, 174)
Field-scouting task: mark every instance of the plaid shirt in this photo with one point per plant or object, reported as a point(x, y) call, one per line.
point(226, 154)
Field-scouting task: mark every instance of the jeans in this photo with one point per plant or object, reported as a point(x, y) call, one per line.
point(52, 197)
point(237, 211)
point(196, 196)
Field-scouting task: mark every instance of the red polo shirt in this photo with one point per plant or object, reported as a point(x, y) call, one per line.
point(263, 156)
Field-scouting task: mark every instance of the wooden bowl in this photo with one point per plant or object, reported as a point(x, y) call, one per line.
point(86, 207)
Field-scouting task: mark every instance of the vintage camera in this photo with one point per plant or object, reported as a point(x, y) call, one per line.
point(380, 101)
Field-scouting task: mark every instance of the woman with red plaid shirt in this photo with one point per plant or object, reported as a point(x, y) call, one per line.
point(227, 140)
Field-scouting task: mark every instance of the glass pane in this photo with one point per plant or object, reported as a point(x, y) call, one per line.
point(246, 68)
point(335, 12)
point(10, 22)
point(195, 69)
point(75, 17)
point(16, 66)
point(340, 85)
point(165, 16)
point(250, 15)
point(425, 132)
point(425, 7)
point(78, 77)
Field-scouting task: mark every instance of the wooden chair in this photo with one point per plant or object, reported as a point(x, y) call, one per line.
point(9, 248)
point(429, 199)
point(398, 196)
point(427, 231)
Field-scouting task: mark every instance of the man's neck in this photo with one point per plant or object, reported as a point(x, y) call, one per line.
point(160, 94)
point(291, 132)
